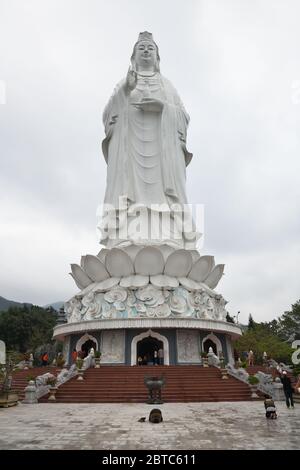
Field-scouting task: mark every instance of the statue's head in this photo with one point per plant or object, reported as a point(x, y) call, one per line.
point(145, 53)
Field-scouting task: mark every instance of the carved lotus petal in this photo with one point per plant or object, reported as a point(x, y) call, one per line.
point(166, 250)
point(134, 281)
point(214, 277)
point(162, 280)
point(189, 283)
point(202, 268)
point(102, 255)
point(107, 284)
point(195, 255)
point(178, 304)
point(86, 290)
point(80, 277)
point(95, 269)
point(179, 263)
point(117, 294)
point(150, 295)
point(132, 251)
point(149, 261)
point(118, 263)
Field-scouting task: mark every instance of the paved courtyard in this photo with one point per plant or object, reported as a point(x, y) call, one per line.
point(240, 425)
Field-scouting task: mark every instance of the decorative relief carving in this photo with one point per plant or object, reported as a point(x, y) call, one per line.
point(188, 346)
point(113, 347)
point(144, 302)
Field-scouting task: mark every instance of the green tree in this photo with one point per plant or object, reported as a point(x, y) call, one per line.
point(251, 323)
point(25, 328)
point(260, 339)
point(289, 324)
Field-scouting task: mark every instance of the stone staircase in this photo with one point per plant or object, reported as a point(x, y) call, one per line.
point(125, 384)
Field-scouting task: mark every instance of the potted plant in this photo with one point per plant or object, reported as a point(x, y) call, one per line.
point(30, 377)
point(97, 359)
point(53, 389)
point(8, 397)
point(60, 361)
point(253, 382)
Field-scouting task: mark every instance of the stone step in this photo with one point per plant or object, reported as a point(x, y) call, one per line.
point(125, 384)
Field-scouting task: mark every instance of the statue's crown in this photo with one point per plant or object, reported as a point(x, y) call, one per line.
point(145, 36)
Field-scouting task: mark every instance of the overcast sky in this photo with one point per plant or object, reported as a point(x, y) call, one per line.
point(236, 66)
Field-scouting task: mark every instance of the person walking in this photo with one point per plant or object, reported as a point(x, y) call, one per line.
point(45, 359)
point(287, 388)
point(74, 356)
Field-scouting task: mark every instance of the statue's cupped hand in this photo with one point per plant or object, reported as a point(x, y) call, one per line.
point(149, 105)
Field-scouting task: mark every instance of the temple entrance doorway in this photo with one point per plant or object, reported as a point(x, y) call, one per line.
point(146, 349)
point(87, 346)
point(210, 344)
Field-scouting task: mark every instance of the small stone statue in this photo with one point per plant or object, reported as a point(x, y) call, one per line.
point(155, 416)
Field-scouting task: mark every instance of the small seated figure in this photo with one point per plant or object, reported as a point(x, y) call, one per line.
point(155, 416)
point(140, 361)
point(270, 408)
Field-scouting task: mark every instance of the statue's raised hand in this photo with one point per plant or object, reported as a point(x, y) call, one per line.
point(149, 105)
point(131, 80)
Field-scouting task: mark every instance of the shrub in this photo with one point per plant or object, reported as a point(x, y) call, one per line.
point(60, 361)
point(253, 380)
point(79, 363)
point(30, 377)
point(97, 354)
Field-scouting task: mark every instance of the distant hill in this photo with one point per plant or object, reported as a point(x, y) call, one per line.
point(5, 304)
point(55, 305)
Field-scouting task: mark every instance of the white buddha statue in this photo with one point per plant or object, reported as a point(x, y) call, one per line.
point(145, 150)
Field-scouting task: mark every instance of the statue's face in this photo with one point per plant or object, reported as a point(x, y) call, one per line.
point(145, 54)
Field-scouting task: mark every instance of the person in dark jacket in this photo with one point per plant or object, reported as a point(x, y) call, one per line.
point(288, 389)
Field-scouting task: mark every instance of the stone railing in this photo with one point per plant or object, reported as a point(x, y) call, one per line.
point(240, 373)
point(278, 366)
point(265, 385)
point(42, 388)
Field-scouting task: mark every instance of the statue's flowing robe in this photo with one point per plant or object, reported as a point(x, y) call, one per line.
point(145, 151)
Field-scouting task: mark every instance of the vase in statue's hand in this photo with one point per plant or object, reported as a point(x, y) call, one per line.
point(149, 105)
